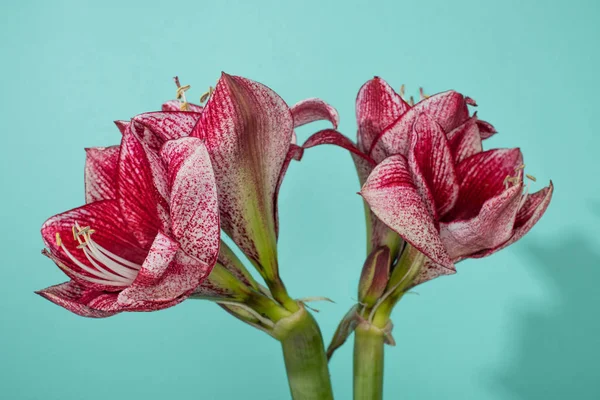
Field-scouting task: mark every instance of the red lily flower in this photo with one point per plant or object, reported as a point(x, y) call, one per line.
point(450, 207)
point(149, 234)
point(430, 182)
point(383, 119)
point(249, 132)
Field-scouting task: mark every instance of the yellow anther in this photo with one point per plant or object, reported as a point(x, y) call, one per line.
point(531, 177)
point(181, 90)
point(207, 94)
point(58, 240)
point(82, 245)
point(180, 93)
point(83, 231)
point(74, 232)
point(520, 167)
point(411, 101)
point(402, 90)
point(422, 93)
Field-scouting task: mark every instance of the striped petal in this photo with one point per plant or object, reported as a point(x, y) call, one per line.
point(311, 110)
point(393, 197)
point(492, 227)
point(448, 109)
point(432, 166)
point(142, 190)
point(528, 215)
point(79, 299)
point(101, 173)
point(482, 177)
point(377, 106)
point(247, 129)
point(465, 140)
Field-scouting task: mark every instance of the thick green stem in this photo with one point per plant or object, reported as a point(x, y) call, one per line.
point(304, 355)
point(368, 362)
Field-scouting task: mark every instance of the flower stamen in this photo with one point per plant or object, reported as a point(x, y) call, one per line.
point(105, 267)
point(180, 94)
point(207, 94)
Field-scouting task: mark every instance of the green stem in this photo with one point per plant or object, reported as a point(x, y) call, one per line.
point(304, 355)
point(368, 362)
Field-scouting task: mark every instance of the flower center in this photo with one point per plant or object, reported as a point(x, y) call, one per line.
point(105, 267)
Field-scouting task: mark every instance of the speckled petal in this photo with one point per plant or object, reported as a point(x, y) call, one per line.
point(175, 105)
point(448, 109)
point(311, 110)
point(76, 298)
point(465, 140)
point(101, 173)
point(377, 106)
point(393, 197)
point(193, 198)
point(247, 129)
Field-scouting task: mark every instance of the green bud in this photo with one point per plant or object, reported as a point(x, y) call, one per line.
point(374, 276)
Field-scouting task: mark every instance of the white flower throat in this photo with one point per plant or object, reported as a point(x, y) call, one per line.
point(105, 267)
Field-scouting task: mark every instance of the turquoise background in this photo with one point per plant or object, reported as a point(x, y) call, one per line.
point(522, 324)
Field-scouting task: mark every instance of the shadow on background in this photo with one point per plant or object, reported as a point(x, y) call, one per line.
point(558, 343)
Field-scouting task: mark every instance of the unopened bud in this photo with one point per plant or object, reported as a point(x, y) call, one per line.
point(374, 276)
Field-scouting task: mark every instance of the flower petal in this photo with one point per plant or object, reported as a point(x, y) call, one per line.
point(175, 105)
point(393, 197)
point(193, 198)
point(101, 173)
point(142, 190)
point(465, 140)
point(489, 229)
point(123, 126)
point(482, 177)
point(486, 130)
point(76, 298)
point(377, 106)
point(110, 232)
point(247, 129)
point(429, 271)
point(331, 136)
point(311, 110)
point(167, 276)
point(153, 129)
point(432, 166)
point(529, 214)
point(448, 109)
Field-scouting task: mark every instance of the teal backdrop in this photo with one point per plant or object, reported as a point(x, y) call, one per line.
point(521, 324)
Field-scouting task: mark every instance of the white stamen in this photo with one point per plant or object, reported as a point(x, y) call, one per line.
point(111, 269)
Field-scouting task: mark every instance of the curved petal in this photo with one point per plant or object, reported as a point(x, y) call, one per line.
point(489, 229)
point(167, 276)
point(101, 173)
point(153, 129)
point(247, 129)
point(77, 299)
point(486, 130)
point(331, 136)
point(142, 190)
point(529, 214)
point(175, 105)
point(377, 106)
point(448, 109)
point(311, 110)
point(429, 271)
point(393, 197)
point(122, 126)
point(465, 140)
point(432, 166)
point(110, 232)
point(193, 198)
point(482, 177)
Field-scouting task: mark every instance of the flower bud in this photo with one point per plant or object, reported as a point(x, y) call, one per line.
point(374, 276)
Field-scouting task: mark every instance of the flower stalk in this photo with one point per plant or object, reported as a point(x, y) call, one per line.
point(304, 355)
point(368, 362)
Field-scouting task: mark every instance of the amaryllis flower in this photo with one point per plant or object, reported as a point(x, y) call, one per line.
point(451, 205)
point(444, 210)
point(149, 233)
point(249, 132)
